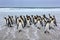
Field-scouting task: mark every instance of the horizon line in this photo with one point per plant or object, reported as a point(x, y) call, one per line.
point(29, 7)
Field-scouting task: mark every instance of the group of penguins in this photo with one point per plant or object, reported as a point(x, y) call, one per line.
point(26, 21)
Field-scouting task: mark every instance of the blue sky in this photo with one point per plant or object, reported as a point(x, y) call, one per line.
point(29, 3)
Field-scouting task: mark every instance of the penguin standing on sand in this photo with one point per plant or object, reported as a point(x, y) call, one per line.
point(6, 20)
point(38, 24)
point(9, 23)
point(52, 25)
point(22, 20)
point(47, 27)
point(28, 21)
point(54, 20)
point(19, 25)
point(44, 21)
point(35, 20)
point(12, 19)
point(32, 18)
point(41, 21)
point(16, 19)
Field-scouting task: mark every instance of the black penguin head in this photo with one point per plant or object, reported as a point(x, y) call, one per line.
point(4, 17)
point(20, 16)
point(44, 16)
point(49, 14)
point(31, 15)
point(27, 18)
point(35, 17)
point(26, 15)
point(52, 18)
point(38, 19)
point(40, 16)
point(19, 20)
point(12, 16)
point(48, 21)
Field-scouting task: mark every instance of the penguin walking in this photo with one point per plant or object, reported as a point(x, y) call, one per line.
point(16, 18)
point(25, 22)
point(47, 27)
point(44, 22)
point(12, 19)
point(54, 20)
point(35, 20)
point(6, 20)
point(28, 21)
point(9, 23)
point(38, 24)
point(20, 26)
point(32, 18)
point(22, 20)
point(52, 25)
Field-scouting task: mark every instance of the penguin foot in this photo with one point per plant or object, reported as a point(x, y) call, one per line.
point(46, 32)
point(28, 26)
point(20, 30)
point(38, 28)
point(11, 26)
point(51, 28)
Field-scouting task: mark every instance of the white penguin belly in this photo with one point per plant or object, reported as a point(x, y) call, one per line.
point(47, 26)
point(43, 23)
point(22, 23)
point(52, 24)
point(28, 23)
point(20, 26)
point(38, 24)
point(35, 20)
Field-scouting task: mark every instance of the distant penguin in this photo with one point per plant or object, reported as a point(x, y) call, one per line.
point(24, 20)
point(9, 23)
point(16, 19)
point(44, 16)
point(6, 20)
point(22, 23)
point(12, 19)
point(54, 20)
point(32, 19)
point(50, 16)
point(43, 22)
